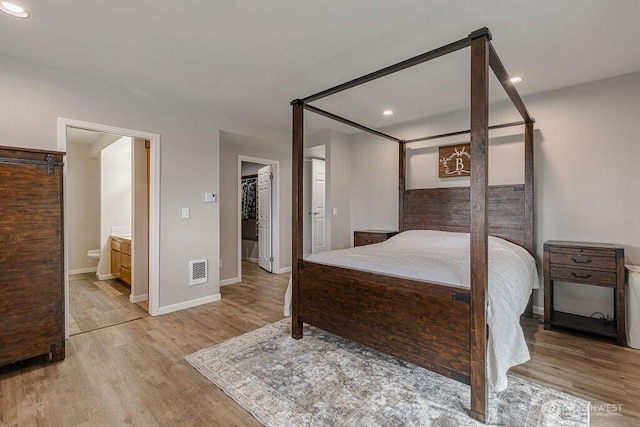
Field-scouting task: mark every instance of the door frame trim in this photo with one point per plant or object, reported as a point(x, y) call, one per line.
point(275, 210)
point(154, 211)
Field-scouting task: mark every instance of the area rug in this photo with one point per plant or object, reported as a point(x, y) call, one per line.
point(326, 380)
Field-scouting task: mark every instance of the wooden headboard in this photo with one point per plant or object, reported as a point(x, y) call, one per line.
point(447, 209)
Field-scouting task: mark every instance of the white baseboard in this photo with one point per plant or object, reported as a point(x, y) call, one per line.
point(253, 260)
point(284, 270)
point(231, 281)
point(82, 270)
point(538, 310)
point(139, 298)
point(188, 304)
point(106, 276)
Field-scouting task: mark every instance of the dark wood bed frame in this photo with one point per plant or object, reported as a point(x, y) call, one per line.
point(433, 325)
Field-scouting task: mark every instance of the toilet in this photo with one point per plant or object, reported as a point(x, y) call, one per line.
point(94, 253)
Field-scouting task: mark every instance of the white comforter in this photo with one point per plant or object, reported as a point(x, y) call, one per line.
point(443, 257)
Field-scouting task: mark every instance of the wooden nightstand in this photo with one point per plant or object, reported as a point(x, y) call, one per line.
point(598, 264)
point(369, 237)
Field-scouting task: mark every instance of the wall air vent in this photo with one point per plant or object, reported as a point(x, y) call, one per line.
point(198, 272)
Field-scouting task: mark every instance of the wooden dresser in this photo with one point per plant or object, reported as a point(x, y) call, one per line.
point(598, 264)
point(369, 237)
point(31, 255)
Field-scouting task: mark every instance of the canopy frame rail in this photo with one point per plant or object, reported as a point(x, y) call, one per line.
point(350, 122)
point(408, 63)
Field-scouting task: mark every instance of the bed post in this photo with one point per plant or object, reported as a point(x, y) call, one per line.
point(528, 200)
point(479, 223)
point(402, 157)
point(297, 166)
point(528, 187)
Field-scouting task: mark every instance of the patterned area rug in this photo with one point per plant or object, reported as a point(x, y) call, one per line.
point(325, 380)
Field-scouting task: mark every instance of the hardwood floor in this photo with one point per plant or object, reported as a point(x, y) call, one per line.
point(95, 304)
point(588, 367)
point(134, 373)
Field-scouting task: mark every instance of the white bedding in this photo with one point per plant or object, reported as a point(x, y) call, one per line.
point(443, 257)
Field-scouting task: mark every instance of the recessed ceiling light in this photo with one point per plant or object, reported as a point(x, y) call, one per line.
point(515, 80)
point(13, 9)
point(387, 113)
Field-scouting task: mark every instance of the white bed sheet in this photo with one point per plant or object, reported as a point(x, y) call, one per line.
point(444, 257)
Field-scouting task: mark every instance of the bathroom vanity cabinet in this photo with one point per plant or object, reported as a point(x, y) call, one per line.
point(31, 255)
point(121, 258)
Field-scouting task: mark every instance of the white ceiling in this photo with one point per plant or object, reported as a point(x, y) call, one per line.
point(250, 58)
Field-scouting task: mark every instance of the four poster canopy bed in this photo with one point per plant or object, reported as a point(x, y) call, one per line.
point(420, 319)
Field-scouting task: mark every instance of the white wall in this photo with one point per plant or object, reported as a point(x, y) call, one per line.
point(115, 195)
point(374, 183)
point(83, 194)
point(586, 174)
point(34, 96)
point(233, 145)
point(339, 192)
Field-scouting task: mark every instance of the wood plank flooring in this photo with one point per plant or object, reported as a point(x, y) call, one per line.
point(134, 373)
point(95, 304)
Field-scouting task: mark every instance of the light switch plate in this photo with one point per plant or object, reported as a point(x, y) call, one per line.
point(185, 213)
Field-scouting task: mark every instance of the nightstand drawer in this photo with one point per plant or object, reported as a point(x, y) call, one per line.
point(578, 259)
point(370, 237)
point(583, 250)
point(590, 277)
point(361, 239)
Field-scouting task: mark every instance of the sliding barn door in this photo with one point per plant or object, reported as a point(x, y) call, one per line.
point(31, 255)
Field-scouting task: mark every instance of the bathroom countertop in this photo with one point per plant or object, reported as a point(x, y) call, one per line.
point(126, 238)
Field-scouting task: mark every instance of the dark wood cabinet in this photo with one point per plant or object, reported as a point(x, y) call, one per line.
point(597, 264)
point(31, 255)
point(369, 237)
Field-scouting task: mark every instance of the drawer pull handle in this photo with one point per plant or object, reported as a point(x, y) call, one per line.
point(588, 261)
point(581, 276)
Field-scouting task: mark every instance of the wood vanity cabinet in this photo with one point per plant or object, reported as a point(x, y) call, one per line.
point(121, 258)
point(31, 255)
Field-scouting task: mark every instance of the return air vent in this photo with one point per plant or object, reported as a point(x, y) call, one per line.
point(198, 272)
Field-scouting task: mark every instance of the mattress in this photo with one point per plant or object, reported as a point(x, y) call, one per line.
point(443, 257)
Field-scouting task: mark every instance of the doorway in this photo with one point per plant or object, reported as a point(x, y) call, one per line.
point(318, 206)
point(316, 222)
point(258, 213)
point(100, 184)
point(144, 238)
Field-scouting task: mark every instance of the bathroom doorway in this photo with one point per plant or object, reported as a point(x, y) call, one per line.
point(112, 272)
point(106, 178)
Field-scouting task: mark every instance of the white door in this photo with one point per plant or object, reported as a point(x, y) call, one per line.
point(318, 222)
point(265, 258)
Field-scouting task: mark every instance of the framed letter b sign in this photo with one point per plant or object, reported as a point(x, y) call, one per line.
point(454, 161)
